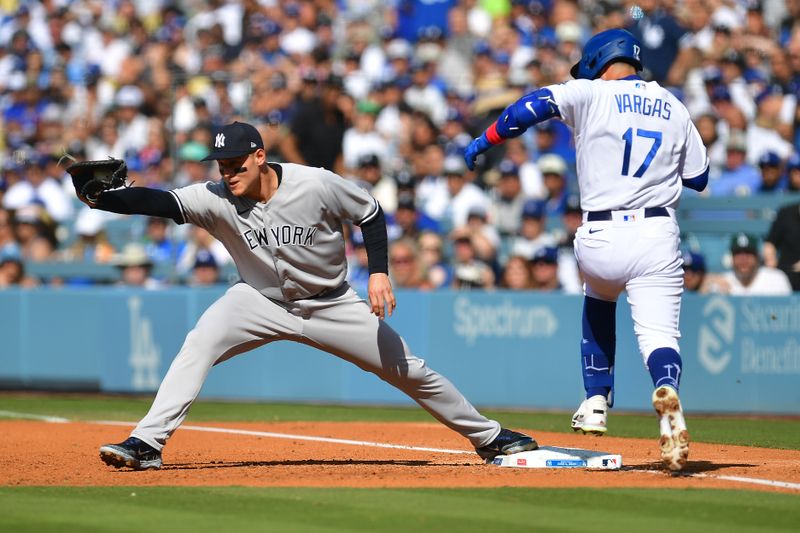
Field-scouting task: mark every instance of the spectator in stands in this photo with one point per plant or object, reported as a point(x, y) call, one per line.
point(517, 274)
point(35, 233)
point(200, 239)
point(431, 256)
point(9, 247)
point(544, 269)
point(771, 168)
point(661, 35)
point(404, 266)
point(782, 245)
point(38, 187)
point(192, 168)
point(554, 172)
point(381, 187)
point(793, 173)
point(532, 234)
point(135, 267)
point(694, 272)
point(318, 127)
point(91, 242)
point(748, 277)
point(484, 236)
point(453, 197)
point(159, 245)
point(361, 139)
point(408, 221)
point(12, 274)
point(738, 178)
point(469, 272)
point(568, 273)
point(205, 271)
point(529, 175)
point(507, 199)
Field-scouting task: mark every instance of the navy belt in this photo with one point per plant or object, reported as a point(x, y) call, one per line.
point(598, 216)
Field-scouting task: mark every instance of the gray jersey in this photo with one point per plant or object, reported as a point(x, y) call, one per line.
point(290, 247)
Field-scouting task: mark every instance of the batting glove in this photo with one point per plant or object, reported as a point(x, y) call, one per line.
point(476, 147)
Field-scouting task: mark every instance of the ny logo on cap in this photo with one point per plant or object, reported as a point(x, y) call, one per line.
point(219, 142)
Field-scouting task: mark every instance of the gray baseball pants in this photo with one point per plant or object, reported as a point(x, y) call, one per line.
point(340, 324)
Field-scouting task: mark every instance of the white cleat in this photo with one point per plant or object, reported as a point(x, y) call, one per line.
point(674, 441)
point(591, 416)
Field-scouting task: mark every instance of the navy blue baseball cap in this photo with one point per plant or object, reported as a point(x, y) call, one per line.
point(769, 159)
point(533, 209)
point(234, 140)
point(547, 254)
point(694, 262)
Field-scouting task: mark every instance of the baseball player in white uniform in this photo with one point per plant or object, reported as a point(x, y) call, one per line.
point(282, 224)
point(636, 147)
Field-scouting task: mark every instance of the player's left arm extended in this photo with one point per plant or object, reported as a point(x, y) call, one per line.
point(376, 242)
point(141, 201)
point(531, 109)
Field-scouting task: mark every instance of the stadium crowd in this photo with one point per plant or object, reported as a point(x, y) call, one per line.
point(387, 93)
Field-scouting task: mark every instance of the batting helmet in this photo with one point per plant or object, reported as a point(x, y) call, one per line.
point(606, 46)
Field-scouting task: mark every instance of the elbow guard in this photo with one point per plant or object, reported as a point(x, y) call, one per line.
point(531, 109)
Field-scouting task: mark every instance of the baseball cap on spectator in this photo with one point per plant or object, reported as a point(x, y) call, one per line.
point(769, 159)
point(133, 254)
point(404, 180)
point(545, 127)
point(454, 115)
point(89, 222)
point(546, 254)
point(501, 57)
point(453, 166)
point(694, 262)
point(720, 92)
point(712, 74)
point(736, 142)
point(129, 96)
point(234, 140)
point(552, 164)
point(369, 160)
point(192, 151)
point(744, 243)
point(369, 107)
point(725, 19)
point(28, 214)
point(508, 168)
point(568, 32)
point(533, 209)
point(204, 258)
point(477, 212)
point(399, 49)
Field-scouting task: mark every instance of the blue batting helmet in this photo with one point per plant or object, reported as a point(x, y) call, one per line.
point(600, 50)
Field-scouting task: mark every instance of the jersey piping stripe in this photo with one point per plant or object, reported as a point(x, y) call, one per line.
point(180, 205)
point(372, 215)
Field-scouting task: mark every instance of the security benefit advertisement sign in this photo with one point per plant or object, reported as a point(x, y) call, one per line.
point(742, 354)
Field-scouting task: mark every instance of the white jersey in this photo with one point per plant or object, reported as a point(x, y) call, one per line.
point(767, 282)
point(634, 142)
point(290, 247)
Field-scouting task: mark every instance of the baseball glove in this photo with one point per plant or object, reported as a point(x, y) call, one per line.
point(92, 178)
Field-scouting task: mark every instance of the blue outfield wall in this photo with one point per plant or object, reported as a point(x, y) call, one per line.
point(504, 349)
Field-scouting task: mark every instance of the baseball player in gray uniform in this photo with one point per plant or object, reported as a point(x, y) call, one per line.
point(636, 148)
point(282, 224)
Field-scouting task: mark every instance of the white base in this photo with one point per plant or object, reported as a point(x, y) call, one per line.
point(554, 457)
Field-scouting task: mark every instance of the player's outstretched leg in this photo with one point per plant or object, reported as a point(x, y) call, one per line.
point(674, 441)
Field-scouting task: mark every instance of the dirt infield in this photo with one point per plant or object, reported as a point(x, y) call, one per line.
point(40, 453)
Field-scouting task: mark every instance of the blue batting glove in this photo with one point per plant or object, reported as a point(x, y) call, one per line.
point(476, 147)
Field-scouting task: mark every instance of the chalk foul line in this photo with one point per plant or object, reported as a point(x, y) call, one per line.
point(287, 436)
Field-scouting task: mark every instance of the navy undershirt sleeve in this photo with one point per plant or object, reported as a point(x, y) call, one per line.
point(376, 243)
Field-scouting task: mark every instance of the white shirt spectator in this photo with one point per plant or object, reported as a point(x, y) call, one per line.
point(23, 193)
point(767, 282)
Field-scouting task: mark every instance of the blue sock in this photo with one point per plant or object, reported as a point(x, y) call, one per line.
point(598, 347)
point(665, 366)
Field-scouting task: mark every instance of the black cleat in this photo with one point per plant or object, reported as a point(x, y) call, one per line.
point(132, 453)
point(506, 443)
